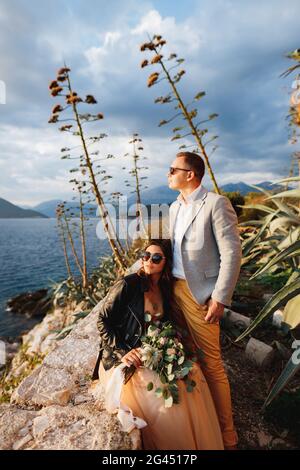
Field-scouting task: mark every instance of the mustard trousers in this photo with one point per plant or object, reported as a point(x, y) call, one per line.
point(206, 336)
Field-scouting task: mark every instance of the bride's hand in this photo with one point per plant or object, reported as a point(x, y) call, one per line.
point(132, 358)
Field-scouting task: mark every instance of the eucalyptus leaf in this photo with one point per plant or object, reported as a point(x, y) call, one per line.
point(150, 386)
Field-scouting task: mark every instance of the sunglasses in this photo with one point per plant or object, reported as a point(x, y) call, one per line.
point(156, 258)
point(173, 169)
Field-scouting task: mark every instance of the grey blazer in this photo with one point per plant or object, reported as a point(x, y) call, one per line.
point(210, 247)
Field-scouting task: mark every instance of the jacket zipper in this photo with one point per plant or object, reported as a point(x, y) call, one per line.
point(140, 326)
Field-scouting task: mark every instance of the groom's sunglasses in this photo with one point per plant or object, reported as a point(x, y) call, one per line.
point(156, 258)
point(173, 169)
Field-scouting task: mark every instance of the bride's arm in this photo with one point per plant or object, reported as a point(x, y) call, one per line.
point(110, 320)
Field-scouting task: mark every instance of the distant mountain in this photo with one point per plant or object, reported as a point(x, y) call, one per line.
point(25, 206)
point(48, 208)
point(165, 195)
point(158, 195)
point(244, 188)
point(11, 211)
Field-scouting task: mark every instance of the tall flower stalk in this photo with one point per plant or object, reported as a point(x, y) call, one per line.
point(61, 231)
point(65, 223)
point(190, 127)
point(137, 147)
point(57, 88)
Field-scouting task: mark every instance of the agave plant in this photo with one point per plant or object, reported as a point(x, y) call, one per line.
point(275, 245)
point(291, 368)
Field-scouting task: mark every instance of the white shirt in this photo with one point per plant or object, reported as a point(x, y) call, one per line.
point(183, 214)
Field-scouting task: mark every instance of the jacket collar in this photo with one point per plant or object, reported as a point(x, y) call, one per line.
point(199, 196)
point(195, 197)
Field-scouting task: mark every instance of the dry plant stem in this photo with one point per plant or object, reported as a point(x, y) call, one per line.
point(72, 245)
point(61, 230)
point(191, 124)
point(83, 244)
point(138, 194)
point(118, 251)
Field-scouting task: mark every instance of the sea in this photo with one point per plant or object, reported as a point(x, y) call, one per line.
point(31, 258)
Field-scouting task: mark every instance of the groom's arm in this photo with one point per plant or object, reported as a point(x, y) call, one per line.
point(224, 223)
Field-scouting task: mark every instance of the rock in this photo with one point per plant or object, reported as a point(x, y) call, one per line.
point(259, 353)
point(61, 397)
point(263, 439)
point(63, 414)
point(47, 343)
point(277, 318)
point(33, 304)
point(65, 428)
point(23, 432)
point(12, 422)
point(22, 442)
point(43, 338)
point(82, 399)
point(70, 362)
point(40, 424)
point(235, 319)
point(45, 386)
point(278, 443)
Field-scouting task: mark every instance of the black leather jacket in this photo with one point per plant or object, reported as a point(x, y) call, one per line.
point(121, 320)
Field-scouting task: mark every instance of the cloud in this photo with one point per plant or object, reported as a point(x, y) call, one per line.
point(183, 35)
point(231, 52)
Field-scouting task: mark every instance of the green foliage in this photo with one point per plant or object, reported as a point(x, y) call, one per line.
point(255, 205)
point(9, 382)
point(273, 247)
point(291, 368)
point(237, 200)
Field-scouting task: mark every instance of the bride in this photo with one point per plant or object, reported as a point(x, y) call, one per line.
point(192, 424)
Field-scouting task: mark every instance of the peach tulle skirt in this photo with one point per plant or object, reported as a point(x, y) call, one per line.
point(190, 425)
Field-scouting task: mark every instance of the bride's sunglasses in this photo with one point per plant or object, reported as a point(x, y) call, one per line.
point(156, 258)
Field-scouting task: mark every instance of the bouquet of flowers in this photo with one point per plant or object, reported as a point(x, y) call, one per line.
point(163, 352)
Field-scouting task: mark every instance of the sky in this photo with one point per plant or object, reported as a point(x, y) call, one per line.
point(234, 51)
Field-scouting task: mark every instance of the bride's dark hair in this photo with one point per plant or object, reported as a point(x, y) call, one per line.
point(174, 312)
point(165, 281)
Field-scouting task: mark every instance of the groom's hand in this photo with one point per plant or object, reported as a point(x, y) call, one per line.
point(215, 311)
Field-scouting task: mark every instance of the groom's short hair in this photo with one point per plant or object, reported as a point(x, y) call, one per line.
point(194, 162)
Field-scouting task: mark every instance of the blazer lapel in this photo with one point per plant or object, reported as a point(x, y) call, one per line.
point(195, 210)
point(197, 204)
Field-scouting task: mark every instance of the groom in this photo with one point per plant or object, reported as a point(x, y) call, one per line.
point(206, 265)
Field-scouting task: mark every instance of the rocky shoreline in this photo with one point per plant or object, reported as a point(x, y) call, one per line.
point(49, 400)
point(31, 304)
point(55, 404)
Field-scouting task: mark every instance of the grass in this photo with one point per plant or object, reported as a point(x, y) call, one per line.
point(8, 383)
